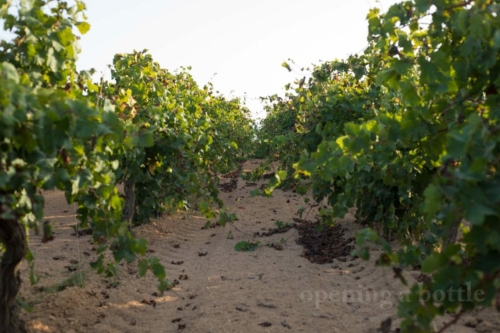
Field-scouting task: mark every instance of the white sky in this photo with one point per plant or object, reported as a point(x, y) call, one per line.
point(243, 41)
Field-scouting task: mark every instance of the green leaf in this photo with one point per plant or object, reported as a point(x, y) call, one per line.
point(83, 27)
point(423, 5)
point(66, 36)
point(246, 246)
point(432, 199)
point(124, 254)
point(139, 245)
point(145, 138)
point(255, 192)
point(476, 212)
point(98, 265)
point(9, 72)
point(52, 62)
point(143, 266)
point(461, 21)
point(431, 263)
point(409, 94)
point(402, 67)
point(390, 77)
point(287, 66)
point(496, 40)
point(346, 164)
point(476, 26)
point(165, 285)
point(158, 270)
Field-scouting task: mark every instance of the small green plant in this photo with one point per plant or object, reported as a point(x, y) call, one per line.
point(245, 246)
point(280, 224)
point(114, 283)
point(77, 279)
point(48, 233)
point(257, 173)
point(301, 211)
point(25, 304)
point(230, 235)
point(225, 217)
point(274, 182)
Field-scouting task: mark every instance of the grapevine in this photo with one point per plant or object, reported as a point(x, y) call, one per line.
point(410, 139)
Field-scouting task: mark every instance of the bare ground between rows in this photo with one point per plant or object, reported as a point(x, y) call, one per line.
point(220, 290)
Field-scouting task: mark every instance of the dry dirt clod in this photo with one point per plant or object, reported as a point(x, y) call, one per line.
point(132, 270)
point(470, 322)
point(71, 268)
point(423, 278)
point(278, 247)
point(385, 326)
point(486, 327)
point(266, 304)
point(242, 307)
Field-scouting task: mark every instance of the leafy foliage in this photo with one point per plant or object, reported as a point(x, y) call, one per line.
point(245, 246)
point(58, 129)
point(408, 134)
point(194, 133)
point(51, 135)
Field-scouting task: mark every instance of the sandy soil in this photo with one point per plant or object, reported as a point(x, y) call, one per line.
point(266, 290)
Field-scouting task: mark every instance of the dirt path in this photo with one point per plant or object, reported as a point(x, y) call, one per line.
point(267, 290)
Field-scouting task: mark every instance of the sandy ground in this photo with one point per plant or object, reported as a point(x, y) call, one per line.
point(266, 290)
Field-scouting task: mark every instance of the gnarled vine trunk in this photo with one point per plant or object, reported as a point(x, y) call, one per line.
point(452, 233)
point(129, 207)
point(13, 237)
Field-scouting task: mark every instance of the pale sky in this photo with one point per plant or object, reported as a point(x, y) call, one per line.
point(243, 41)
